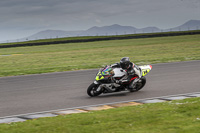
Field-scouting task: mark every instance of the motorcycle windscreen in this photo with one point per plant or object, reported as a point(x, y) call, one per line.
point(106, 72)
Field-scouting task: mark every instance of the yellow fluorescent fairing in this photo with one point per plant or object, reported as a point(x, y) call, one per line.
point(145, 69)
point(99, 76)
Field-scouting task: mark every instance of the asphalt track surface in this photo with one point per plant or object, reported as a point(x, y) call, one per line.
point(44, 92)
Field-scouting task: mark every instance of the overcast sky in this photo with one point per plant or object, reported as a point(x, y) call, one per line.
point(21, 18)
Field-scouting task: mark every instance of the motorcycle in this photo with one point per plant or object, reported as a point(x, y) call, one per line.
point(106, 81)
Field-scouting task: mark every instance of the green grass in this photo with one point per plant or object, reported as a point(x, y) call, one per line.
point(88, 55)
point(181, 116)
point(55, 40)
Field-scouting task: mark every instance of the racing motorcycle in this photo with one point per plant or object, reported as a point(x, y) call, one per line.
point(106, 81)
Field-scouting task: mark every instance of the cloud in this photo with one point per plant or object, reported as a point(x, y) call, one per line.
point(37, 15)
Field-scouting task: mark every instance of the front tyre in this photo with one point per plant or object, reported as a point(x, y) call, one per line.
point(92, 90)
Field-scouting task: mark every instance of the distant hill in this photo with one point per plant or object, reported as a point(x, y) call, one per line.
point(109, 30)
point(189, 25)
point(53, 34)
point(94, 31)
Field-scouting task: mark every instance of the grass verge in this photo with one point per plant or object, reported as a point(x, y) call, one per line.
point(76, 56)
point(181, 116)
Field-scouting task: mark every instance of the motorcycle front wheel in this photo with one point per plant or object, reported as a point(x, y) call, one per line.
point(92, 90)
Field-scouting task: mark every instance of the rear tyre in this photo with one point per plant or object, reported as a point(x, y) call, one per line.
point(139, 85)
point(92, 90)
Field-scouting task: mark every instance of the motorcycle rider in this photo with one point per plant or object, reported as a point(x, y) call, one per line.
point(131, 70)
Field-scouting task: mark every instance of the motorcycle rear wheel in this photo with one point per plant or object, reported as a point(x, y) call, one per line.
point(139, 85)
point(92, 90)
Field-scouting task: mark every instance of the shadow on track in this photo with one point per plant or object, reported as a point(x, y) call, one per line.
point(116, 94)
